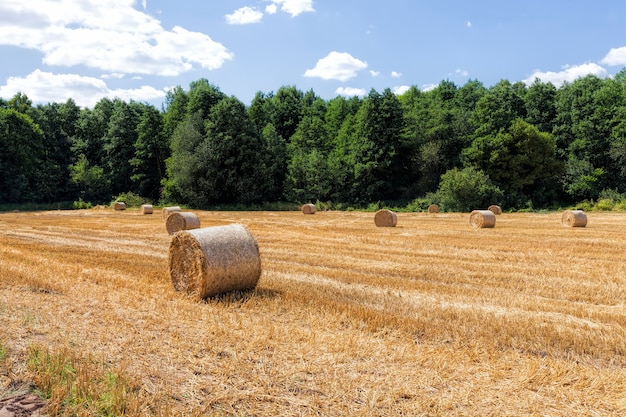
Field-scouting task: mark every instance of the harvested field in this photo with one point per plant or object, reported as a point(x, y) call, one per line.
point(432, 317)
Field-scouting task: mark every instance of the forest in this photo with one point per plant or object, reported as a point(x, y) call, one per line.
point(524, 147)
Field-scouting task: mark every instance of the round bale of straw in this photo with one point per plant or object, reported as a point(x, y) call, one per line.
point(146, 209)
point(214, 260)
point(495, 209)
point(574, 218)
point(119, 205)
point(385, 218)
point(482, 219)
point(168, 210)
point(308, 208)
point(181, 220)
point(433, 208)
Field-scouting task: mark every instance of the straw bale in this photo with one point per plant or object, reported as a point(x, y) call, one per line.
point(119, 205)
point(181, 220)
point(495, 209)
point(167, 210)
point(146, 209)
point(308, 209)
point(385, 218)
point(433, 208)
point(214, 260)
point(574, 218)
point(482, 219)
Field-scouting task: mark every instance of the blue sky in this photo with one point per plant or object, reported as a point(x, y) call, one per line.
point(52, 50)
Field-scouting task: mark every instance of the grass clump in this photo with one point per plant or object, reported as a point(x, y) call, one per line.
point(78, 386)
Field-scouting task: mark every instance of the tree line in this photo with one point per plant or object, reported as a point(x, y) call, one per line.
point(462, 147)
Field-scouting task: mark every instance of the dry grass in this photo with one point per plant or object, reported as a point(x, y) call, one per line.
point(432, 317)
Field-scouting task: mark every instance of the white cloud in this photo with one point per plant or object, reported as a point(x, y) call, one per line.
point(468, 24)
point(462, 73)
point(428, 87)
point(374, 73)
point(112, 36)
point(568, 74)
point(45, 87)
point(616, 56)
point(350, 91)
point(336, 66)
point(271, 9)
point(244, 16)
point(401, 89)
point(396, 74)
point(294, 7)
point(112, 75)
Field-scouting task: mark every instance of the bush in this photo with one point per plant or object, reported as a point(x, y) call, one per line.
point(131, 199)
point(466, 190)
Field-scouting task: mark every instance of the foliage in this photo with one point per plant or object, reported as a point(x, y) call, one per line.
point(131, 199)
point(542, 146)
point(467, 189)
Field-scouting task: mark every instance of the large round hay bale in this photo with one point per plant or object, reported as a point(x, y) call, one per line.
point(168, 210)
point(574, 218)
point(495, 209)
point(482, 219)
point(119, 205)
point(308, 208)
point(433, 208)
point(385, 218)
point(146, 209)
point(214, 260)
point(181, 220)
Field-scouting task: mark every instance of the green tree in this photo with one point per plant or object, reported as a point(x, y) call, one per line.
point(516, 159)
point(21, 141)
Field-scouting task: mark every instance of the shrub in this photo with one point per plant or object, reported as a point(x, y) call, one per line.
point(467, 189)
point(131, 199)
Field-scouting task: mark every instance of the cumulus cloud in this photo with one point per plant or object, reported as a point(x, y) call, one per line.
point(244, 16)
point(616, 56)
point(396, 74)
point(350, 91)
point(112, 36)
point(45, 87)
point(462, 73)
point(401, 89)
point(293, 7)
point(428, 87)
point(271, 8)
point(568, 74)
point(339, 66)
point(468, 24)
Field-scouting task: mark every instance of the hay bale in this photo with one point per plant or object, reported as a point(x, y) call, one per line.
point(482, 219)
point(181, 220)
point(385, 218)
point(214, 260)
point(308, 209)
point(119, 206)
point(574, 218)
point(168, 210)
point(146, 209)
point(495, 209)
point(433, 208)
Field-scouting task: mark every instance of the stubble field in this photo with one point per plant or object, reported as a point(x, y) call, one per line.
point(429, 318)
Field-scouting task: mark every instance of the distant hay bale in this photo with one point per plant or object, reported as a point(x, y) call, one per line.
point(308, 209)
point(146, 209)
point(385, 218)
point(482, 219)
point(119, 205)
point(181, 220)
point(168, 210)
point(495, 209)
point(214, 260)
point(433, 208)
point(574, 218)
